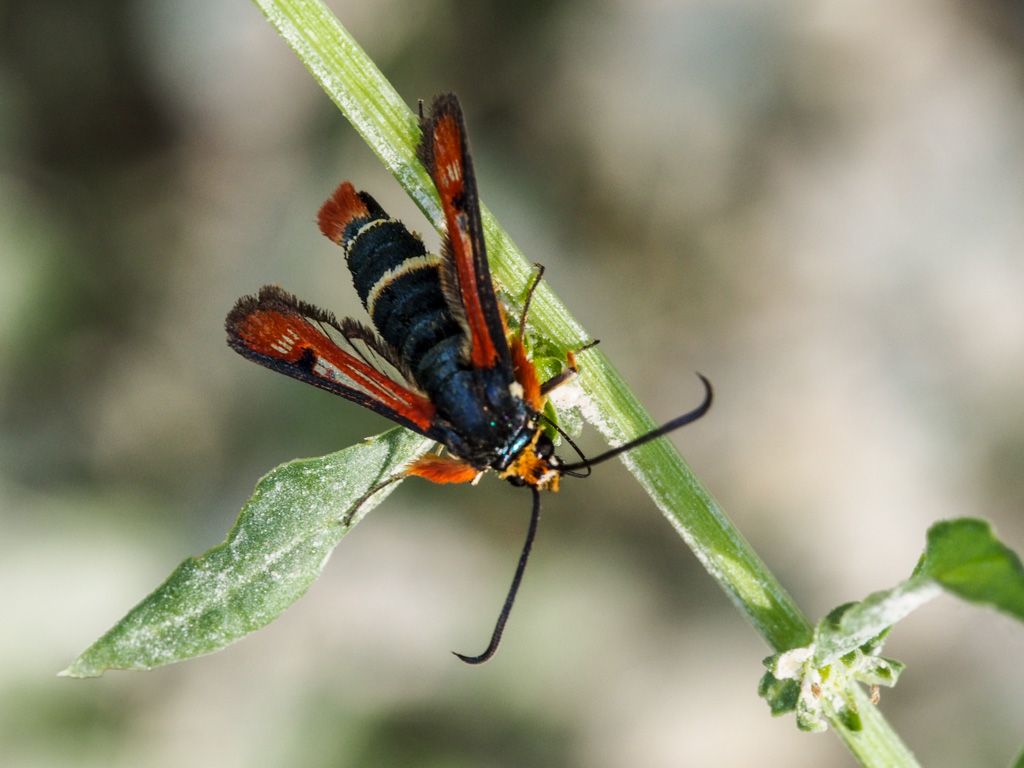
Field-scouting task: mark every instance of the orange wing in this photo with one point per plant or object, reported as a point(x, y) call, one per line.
point(445, 153)
point(284, 334)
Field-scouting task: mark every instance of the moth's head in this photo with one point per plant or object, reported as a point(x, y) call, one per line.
point(535, 465)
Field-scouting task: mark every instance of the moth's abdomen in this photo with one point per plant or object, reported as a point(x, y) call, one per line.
point(399, 283)
point(380, 251)
point(410, 313)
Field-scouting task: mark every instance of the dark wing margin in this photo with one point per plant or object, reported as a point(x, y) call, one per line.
point(291, 337)
point(444, 151)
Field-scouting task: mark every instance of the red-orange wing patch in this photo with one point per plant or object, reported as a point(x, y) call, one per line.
point(344, 205)
point(445, 152)
point(284, 334)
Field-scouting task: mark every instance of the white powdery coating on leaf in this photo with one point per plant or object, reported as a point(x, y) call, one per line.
point(570, 395)
point(877, 612)
point(790, 665)
point(590, 410)
point(897, 603)
point(573, 407)
point(279, 545)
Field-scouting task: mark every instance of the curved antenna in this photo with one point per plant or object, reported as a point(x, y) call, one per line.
point(676, 423)
point(575, 447)
point(506, 609)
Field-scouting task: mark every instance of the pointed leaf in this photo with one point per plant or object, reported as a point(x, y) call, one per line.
point(276, 549)
point(966, 558)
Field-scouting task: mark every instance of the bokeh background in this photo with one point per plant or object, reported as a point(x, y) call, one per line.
point(819, 205)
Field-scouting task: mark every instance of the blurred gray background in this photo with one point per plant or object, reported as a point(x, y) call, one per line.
point(819, 205)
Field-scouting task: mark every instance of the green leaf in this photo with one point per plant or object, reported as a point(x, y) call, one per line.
point(963, 557)
point(782, 695)
point(276, 549)
point(966, 558)
point(878, 670)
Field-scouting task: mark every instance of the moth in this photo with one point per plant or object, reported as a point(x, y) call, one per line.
point(457, 374)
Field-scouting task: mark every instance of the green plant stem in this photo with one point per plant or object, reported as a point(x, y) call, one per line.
point(390, 128)
point(876, 744)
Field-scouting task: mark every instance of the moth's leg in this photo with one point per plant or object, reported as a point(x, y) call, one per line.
point(571, 368)
point(529, 297)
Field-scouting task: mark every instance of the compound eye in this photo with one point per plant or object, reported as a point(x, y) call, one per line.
point(517, 481)
point(544, 446)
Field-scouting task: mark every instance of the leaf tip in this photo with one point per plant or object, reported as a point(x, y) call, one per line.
point(79, 671)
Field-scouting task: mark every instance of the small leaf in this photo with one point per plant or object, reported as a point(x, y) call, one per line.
point(857, 624)
point(878, 670)
point(810, 710)
point(962, 556)
point(275, 550)
point(967, 559)
point(782, 695)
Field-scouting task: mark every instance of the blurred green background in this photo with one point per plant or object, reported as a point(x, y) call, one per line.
point(819, 205)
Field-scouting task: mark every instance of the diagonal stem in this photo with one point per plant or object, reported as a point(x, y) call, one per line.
point(389, 127)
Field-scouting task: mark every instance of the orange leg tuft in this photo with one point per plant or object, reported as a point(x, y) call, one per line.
point(442, 469)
